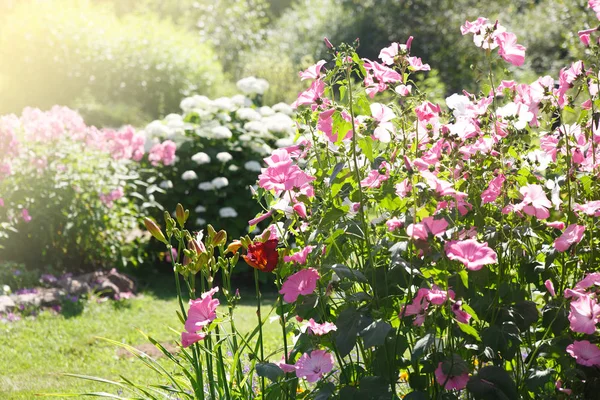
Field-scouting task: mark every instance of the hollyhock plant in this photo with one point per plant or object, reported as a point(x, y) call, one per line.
point(585, 353)
point(315, 365)
point(300, 256)
point(572, 235)
point(509, 50)
point(320, 329)
point(584, 315)
point(202, 311)
point(301, 283)
point(473, 254)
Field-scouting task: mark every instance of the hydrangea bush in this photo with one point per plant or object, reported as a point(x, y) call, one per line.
point(420, 250)
point(220, 146)
point(70, 194)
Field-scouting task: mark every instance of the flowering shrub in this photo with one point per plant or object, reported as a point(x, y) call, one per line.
point(70, 194)
point(220, 145)
point(420, 251)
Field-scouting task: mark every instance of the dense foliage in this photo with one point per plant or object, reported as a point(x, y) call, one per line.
point(115, 70)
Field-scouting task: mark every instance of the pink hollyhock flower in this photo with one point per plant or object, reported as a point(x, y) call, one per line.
point(450, 381)
point(550, 287)
point(403, 90)
point(320, 329)
point(378, 76)
point(285, 367)
point(415, 64)
point(314, 366)
point(590, 280)
point(300, 256)
point(313, 72)
point(188, 339)
point(595, 6)
point(301, 283)
point(383, 115)
point(25, 215)
point(429, 225)
point(572, 235)
point(403, 188)
point(471, 253)
point(300, 209)
point(534, 202)
point(584, 314)
point(558, 385)
point(281, 175)
point(438, 296)
point(493, 190)
point(418, 307)
point(509, 50)
point(461, 315)
point(591, 208)
point(393, 224)
point(556, 225)
point(260, 218)
point(374, 179)
point(202, 311)
point(310, 95)
point(473, 27)
point(585, 353)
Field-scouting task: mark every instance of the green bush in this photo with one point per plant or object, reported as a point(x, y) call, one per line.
point(62, 51)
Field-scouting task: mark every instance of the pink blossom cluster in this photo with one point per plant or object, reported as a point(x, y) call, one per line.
point(419, 307)
point(490, 36)
point(163, 153)
point(109, 198)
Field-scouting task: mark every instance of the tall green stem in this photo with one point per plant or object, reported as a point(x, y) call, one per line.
point(260, 332)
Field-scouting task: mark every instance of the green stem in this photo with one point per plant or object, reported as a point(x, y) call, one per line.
point(260, 332)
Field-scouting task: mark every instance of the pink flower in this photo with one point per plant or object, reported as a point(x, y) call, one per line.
point(591, 208)
point(300, 256)
point(585, 353)
point(375, 178)
point(260, 218)
point(310, 95)
point(300, 209)
point(281, 174)
point(590, 280)
point(403, 188)
point(438, 296)
point(162, 153)
point(1, 202)
point(188, 339)
point(509, 50)
point(403, 90)
point(383, 115)
point(595, 6)
point(429, 225)
point(461, 315)
point(493, 190)
point(556, 225)
point(415, 64)
point(418, 307)
point(202, 311)
point(320, 329)
point(301, 283)
point(314, 366)
point(471, 253)
point(312, 72)
point(584, 315)
point(393, 224)
point(550, 287)
point(558, 385)
point(25, 215)
point(450, 381)
point(534, 201)
point(285, 367)
point(572, 235)
point(473, 27)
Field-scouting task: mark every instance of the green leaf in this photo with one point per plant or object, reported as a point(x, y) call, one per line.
point(342, 271)
point(375, 333)
point(416, 395)
point(469, 330)
point(471, 312)
point(325, 392)
point(347, 332)
point(366, 145)
point(421, 346)
point(492, 383)
point(269, 370)
point(464, 277)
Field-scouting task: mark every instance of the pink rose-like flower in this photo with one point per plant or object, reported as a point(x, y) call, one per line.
point(450, 382)
point(202, 311)
point(310, 95)
point(585, 353)
point(25, 215)
point(314, 366)
point(493, 190)
point(300, 256)
point(534, 202)
point(572, 235)
point(509, 50)
point(312, 72)
point(429, 225)
point(301, 283)
point(393, 224)
point(320, 329)
point(375, 178)
point(471, 253)
point(584, 315)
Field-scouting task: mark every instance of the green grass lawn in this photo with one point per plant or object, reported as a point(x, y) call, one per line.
point(33, 352)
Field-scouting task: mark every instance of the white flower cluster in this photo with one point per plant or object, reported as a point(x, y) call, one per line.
point(252, 85)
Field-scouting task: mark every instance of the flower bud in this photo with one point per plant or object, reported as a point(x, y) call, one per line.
point(196, 247)
point(181, 214)
point(220, 238)
point(233, 247)
point(155, 230)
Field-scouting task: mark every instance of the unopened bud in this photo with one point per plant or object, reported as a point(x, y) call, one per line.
point(155, 230)
point(220, 238)
point(180, 214)
point(233, 247)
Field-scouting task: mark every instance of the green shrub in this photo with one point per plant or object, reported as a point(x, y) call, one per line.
point(62, 50)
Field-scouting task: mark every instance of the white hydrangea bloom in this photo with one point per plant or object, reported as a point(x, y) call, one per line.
point(266, 111)
point(256, 126)
point(227, 212)
point(157, 129)
point(248, 114)
point(166, 185)
point(224, 157)
point(201, 158)
point(280, 123)
point(200, 221)
point(233, 168)
point(241, 101)
point(221, 132)
point(262, 149)
point(253, 166)
point(225, 103)
point(284, 142)
point(189, 175)
point(223, 117)
point(206, 186)
point(283, 108)
point(252, 85)
point(219, 182)
point(196, 102)
point(200, 209)
point(245, 138)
